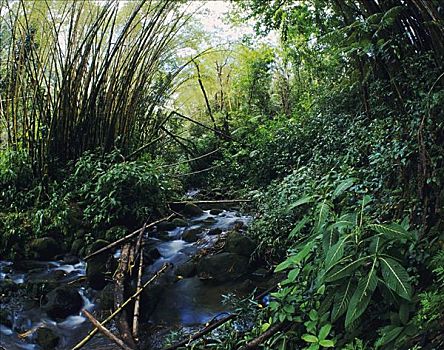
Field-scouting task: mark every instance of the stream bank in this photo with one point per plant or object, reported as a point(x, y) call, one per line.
point(209, 255)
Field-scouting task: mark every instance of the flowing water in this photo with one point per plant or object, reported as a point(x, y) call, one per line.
point(187, 302)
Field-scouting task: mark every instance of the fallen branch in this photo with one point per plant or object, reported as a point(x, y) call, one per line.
point(127, 237)
point(110, 317)
point(105, 331)
point(201, 333)
point(119, 293)
point(253, 344)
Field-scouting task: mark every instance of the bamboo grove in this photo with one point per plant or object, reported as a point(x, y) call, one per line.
point(79, 76)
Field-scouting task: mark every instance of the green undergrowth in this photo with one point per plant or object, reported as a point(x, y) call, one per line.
point(88, 197)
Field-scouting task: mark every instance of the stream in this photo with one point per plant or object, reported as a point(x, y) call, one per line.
point(184, 301)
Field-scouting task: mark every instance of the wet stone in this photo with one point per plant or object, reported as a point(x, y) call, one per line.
point(44, 248)
point(166, 226)
point(191, 209)
point(179, 222)
point(63, 302)
point(216, 211)
point(191, 235)
point(46, 338)
point(215, 231)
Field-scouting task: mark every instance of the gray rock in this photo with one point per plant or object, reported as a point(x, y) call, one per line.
point(5, 318)
point(191, 209)
point(215, 231)
point(46, 338)
point(191, 235)
point(188, 269)
point(63, 302)
point(106, 297)
point(96, 267)
point(216, 211)
point(222, 267)
point(70, 259)
point(179, 222)
point(76, 246)
point(166, 226)
point(238, 243)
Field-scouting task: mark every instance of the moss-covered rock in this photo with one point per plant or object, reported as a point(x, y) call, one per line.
point(63, 302)
point(238, 243)
point(5, 318)
point(222, 267)
point(178, 222)
point(191, 235)
point(165, 226)
point(46, 338)
point(191, 209)
point(96, 266)
point(44, 248)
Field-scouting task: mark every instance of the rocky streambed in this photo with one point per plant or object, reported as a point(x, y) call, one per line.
point(207, 250)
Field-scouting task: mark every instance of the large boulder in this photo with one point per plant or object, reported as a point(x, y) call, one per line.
point(44, 248)
point(166, 226)
point(96, 267)
point(46, 338)
point(188, 269)
point(63, 302)
point(76, 246)
point(222, 267)
point(191, 235)
point(191, 209)
point(106, 297)
point(238, 243)
point(178, 222)
point(5, 318)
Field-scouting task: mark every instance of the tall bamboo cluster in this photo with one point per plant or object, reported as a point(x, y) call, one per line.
point(82, 75)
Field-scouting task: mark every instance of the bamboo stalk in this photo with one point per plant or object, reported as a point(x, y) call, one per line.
point(110, 317)
point(127, 237)
point(137, 301)
point(106, 332)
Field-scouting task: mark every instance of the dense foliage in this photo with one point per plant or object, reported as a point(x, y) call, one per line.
point(336, 132)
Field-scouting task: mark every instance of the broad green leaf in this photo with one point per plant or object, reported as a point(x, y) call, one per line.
point(344, 222)
point(327, 343)
point(299, 202)
point(295, 259)
point(359, 301)
point(325, 330)
point(342, 298)
point(293, 274)
point(264, 327)
point(313, 315)
point(336, 252)
point(309, 338)
point(299, 226)
point(344, 185)
point(391, 231)
point(396, 277)
point(389, 334)
point(339, 272)
point(323, 211)
point(404, 311)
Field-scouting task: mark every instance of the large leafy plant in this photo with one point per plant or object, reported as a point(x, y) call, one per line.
point(349, 263)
